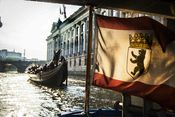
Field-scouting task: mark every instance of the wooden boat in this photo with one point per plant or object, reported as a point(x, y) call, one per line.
point(53, 77)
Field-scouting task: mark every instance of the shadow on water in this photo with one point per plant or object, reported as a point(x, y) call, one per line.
point(21, 98)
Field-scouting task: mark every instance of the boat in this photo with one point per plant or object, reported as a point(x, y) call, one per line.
point(53, 77)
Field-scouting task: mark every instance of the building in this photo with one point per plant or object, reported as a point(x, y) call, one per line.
point(72, 36)
point(10, 55)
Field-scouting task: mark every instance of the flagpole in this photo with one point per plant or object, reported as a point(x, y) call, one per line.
point(88, 67)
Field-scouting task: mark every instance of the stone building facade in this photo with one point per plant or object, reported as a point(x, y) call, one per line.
point(72, 36)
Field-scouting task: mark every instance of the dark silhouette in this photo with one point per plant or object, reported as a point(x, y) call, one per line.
point(51, 65)
point(44, 67)
point(63, 59)
point(56, 57)
point(139, 60)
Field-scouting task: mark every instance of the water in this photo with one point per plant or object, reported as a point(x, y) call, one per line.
point(21, 98)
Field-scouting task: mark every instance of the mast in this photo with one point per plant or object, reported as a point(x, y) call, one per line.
point(88, 67)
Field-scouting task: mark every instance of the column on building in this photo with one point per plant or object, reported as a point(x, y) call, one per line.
point(68, 43)
point(47, 51)
point(75, 44)
point(72, 40)
point(64, 44)
point(82, 37)
point(76, 39)
point(86, 39)
point(78, 30)
point(61, 43)
point(55, 43)
point(50, 48)
point(84, 43)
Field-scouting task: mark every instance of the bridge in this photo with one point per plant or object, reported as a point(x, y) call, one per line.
point(19, 65)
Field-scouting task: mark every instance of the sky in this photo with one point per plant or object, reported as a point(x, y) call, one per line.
point(27, 24)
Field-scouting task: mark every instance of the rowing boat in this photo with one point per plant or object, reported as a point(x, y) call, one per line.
point(53, 77)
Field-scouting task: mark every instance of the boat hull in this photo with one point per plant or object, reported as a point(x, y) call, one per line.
point(54, 77)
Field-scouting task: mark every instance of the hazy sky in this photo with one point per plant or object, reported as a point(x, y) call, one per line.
point(27, 24)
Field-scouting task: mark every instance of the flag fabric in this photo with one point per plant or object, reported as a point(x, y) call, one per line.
point(62, 10)
point(136, 56)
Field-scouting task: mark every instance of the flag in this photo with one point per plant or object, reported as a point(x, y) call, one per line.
point(62, 10)
point(136, 56)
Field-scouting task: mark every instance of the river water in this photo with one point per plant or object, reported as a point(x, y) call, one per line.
point(21, 98)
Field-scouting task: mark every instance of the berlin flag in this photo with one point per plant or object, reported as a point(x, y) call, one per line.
point(136, 56)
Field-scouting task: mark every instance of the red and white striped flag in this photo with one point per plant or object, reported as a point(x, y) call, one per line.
point(131, 58)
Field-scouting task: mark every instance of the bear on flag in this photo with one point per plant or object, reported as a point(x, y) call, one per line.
point(136, 56)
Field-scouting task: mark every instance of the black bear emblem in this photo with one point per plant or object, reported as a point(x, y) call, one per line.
point(139, 60)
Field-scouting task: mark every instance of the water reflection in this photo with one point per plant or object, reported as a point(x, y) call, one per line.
point(20, 98)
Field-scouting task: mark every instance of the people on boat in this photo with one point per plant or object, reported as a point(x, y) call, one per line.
point(56, 57)
point(34, 69)
point(54, 63)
